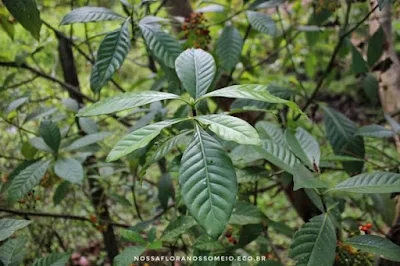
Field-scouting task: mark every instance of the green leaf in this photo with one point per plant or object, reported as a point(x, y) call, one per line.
point(165, 190)
point(229, 47)
point(69, 169)
point(139, 139)
point(252, 92)
point(249, 233)
point(208, 182)
point(125, 101)
point(54, 259)
point(243, 154)
point(393, 123)
point(89, 14)
point(304, 146)
point(261, 22)
point(88, 125)
point(39, 144)
point(163, 149)
point(358, 64)
point(196, 70)
point(60, 192)
point(250, 175)
point(376, 245)
point(245, 213)
point(14, 105)
point(303, 178)
point(13, 251)
point(377, 182)
point(340, 131)
point(110, 56)
point(27, 14)
point(164, 47)
point(132, 236)
point(371, 88)
point(120, 199)
point(278, 155)
point(230, 128)
point(271, 131)
point(7, 26)
point(205, 242)
point(50, 134)
point(315, 243)
point(375, 131)
point(9, 226)
point(86, 141)
point(26, 180)
point(128, 255)
point(177, 227)
point(375, 46)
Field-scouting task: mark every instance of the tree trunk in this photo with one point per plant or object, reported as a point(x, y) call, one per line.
point(389, 91)
point(96, 190)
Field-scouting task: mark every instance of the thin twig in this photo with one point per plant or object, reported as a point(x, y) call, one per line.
point(59, 216)
point(338, 46)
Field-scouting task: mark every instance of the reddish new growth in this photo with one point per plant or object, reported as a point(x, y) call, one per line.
point(196, 32)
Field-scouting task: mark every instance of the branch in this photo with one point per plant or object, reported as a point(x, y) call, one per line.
point(66, 86)
point(59, 216)
point(334, 54)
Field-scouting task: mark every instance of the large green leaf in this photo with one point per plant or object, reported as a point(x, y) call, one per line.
point(125, 101)
point(252, 92)
point(377, 182)
point(261, 22)
point(245, 213)
point(90, 14)
point(278, 155)
point(69, 169)
point(375, 46)
point(375, 131)
point(271, 131)
point(86, 141)
point(231, 128)
point(315, 243)
point(26, 180)
point(27, 14)
point(177, 227)
point(50, 134)
point(164, 47)
point(303, 178)
point(376, 245)
point(340, 131)
point(138, 139)
point(9, 226)
point(196, 70)
point(229, 47)
point(54, 259)
point(208, 182)
point(304, 146)
point(13, 251)
point(110, 56)
point(128, 255)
